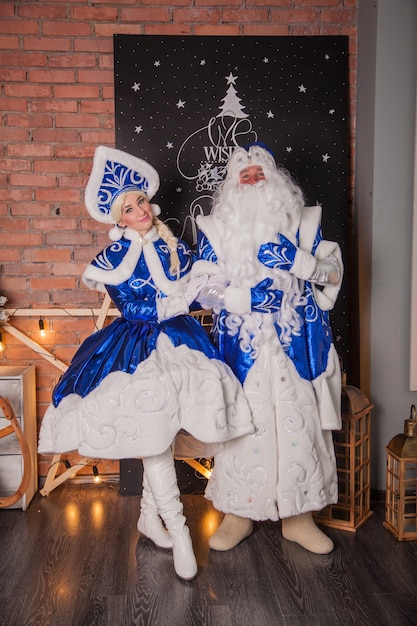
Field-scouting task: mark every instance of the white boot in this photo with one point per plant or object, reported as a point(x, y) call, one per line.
point(162, 478)
point(149, 523)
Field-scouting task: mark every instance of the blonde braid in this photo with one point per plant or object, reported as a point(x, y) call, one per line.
point(168, 236)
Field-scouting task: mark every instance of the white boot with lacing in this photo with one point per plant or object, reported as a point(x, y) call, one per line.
point(162, 478)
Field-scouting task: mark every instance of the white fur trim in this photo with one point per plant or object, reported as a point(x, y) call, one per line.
point(65, 419)
point(139, 414)
point(96, 278)
point(311, 217)
point(327, 296)
point(205, 267)
point(327, 389)
point(304, 265)
point(237, 300)
point(115, 233)
point(310, 221)
point(171, 306)
point(168, 287)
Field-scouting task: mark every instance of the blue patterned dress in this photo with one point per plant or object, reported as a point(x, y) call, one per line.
point(133, 385)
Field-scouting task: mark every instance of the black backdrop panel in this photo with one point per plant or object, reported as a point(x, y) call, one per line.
point(190, 481)
point(184, 103)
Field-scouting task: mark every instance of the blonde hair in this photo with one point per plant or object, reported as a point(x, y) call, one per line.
point(168, 236)
point(164, 232)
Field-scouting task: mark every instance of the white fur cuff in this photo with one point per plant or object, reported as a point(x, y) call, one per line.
point(237, 300)
point(304, 265)
point(326, 297)
point(205, 267)
point(171, 306)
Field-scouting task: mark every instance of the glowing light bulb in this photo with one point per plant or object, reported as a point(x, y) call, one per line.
point(42, 327)
point(96, 478)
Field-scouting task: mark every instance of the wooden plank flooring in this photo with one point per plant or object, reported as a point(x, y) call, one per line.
point(75, 558)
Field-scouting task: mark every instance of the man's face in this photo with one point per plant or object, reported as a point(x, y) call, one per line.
point(251, 175)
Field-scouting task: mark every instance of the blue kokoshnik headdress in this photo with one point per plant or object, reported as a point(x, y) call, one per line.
point(115, 172)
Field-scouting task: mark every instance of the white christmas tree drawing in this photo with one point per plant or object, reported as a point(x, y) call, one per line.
point(231, 103)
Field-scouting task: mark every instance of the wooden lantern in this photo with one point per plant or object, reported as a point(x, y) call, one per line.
point(401, 484)
point(353, 451)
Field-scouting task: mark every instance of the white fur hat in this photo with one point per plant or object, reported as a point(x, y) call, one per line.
point(255, 153)
point(113, 173)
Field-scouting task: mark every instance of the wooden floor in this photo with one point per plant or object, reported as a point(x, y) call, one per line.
point(75, 558)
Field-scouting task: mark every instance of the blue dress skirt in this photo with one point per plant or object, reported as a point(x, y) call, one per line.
point(135, 384)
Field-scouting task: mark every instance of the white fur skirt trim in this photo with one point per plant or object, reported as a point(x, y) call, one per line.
point(139, 414)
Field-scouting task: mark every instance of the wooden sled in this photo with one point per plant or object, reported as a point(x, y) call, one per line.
point(9, 430)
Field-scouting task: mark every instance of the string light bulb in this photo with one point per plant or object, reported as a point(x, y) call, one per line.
point(42, 327)
point(96, 478)
point(1, 343)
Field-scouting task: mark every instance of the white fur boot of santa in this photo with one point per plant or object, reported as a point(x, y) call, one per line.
point(302, 530)
point(231, 532)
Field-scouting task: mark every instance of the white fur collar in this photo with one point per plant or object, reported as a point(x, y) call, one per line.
point(133, 235)
point(97, 277)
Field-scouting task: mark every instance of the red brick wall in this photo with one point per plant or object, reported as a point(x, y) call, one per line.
point(56, 98)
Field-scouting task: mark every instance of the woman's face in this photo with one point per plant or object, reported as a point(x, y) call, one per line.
point(137, 213)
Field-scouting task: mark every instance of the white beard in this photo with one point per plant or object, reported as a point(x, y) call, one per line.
point(247, 217)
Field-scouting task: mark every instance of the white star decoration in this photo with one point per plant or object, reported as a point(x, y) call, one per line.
point(169, 145)
point(202, 62)
point(265, 60)
point(157, 63)
point(180, 104)
point(270, 114)
point(325, 157)
point(331, 111)
point(302, 89)
point(138, 129)
point(136, 86)
point(288, 149)
point(231, 79)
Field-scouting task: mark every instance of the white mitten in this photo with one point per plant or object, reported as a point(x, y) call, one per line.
point(211, 295)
